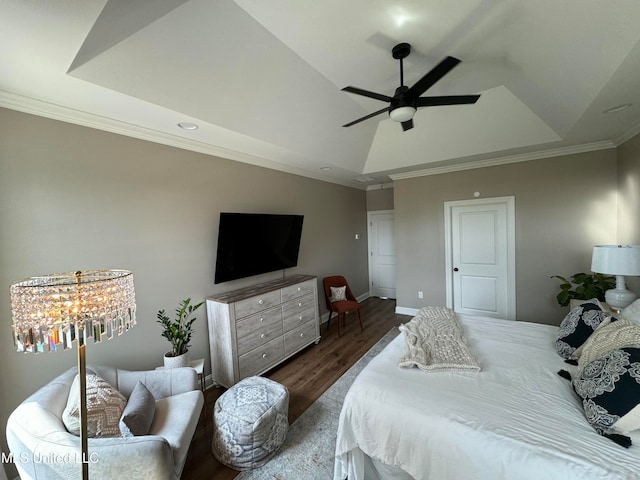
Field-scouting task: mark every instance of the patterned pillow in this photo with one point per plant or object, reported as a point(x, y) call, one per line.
point(632, 312)
point(577, 326)
point(610, 335)
point(610, 392)
point(105, 405)
point(338, 293)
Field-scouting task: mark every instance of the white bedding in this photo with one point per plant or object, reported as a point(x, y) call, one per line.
point(516, 419)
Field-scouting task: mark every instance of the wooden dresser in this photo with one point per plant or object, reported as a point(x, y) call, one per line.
point(255, 328)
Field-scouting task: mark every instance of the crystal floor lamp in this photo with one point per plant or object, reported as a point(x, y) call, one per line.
point(52, 312)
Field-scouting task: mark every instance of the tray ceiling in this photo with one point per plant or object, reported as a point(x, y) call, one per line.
point(262, 79)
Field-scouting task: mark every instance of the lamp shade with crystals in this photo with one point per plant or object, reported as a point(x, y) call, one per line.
point(51, 312)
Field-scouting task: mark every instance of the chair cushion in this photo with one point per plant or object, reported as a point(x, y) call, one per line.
point(250, 423)
point(345, 306)
point(105, 405)
point(175, 420)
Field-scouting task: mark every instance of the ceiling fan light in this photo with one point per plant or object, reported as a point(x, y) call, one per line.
point(402, 114)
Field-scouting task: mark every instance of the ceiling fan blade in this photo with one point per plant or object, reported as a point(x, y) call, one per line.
point(408, 125)
point(447, 100)
point(367, 93)
point(439, 71)
point(366, 117)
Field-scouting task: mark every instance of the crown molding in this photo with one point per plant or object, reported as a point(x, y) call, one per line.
point(53, 111)
point(492, 162)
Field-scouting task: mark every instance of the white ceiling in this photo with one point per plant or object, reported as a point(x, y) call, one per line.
point(262, 79)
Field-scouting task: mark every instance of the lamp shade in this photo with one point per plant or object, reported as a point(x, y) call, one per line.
point(616, 259)
point(402, 114)
point(55, 310)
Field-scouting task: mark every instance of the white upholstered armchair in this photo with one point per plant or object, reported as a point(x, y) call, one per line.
point(42, 447)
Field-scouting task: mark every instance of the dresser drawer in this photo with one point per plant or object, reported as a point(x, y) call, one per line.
point(252, 305)
point(298, 311)
point(300, 337)
point(260, 359)
point(255, 330)
point(299, 290)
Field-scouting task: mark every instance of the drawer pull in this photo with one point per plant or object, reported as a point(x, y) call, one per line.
point(260, 302)
point(262, 319)
point(264, 355)
point(300, 317)
point(302, 334)
point(300, 304)
point(262, 336)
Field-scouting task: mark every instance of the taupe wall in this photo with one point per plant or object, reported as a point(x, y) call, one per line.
point(629, 199)
point(380, 199)
point(564, 205)
point(629, 192)
point(73, 198)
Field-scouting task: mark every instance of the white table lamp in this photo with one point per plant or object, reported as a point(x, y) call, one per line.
point(618, 260)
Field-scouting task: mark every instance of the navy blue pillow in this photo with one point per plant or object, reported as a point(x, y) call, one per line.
point(610, 389)
point(577, 326)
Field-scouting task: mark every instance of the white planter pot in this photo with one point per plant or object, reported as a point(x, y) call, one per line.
point(175, 362)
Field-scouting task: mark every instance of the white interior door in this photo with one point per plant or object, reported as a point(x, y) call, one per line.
point(382, 254)
point(481, 257)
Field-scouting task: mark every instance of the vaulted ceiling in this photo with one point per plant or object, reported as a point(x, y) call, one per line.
point(262, 79)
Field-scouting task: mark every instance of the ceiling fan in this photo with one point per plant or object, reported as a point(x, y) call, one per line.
point(406, 100)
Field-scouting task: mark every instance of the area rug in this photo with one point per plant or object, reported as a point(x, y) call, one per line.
point(309, 449)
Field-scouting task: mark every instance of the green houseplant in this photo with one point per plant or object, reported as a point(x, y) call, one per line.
point(583, 286)
point(178, 331)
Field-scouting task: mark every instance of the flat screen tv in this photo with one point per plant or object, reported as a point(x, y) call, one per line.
point(254, 243)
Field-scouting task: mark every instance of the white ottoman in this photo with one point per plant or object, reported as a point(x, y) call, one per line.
point(250, 423)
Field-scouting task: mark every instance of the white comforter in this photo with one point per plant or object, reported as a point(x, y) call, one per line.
point(516, 419)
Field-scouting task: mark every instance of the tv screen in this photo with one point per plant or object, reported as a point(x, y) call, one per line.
point(254, 243)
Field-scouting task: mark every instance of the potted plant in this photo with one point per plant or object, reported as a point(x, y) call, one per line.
point(178, 332)
point(584, 286)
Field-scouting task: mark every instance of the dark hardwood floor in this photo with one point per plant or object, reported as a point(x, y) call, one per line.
point(307, 375)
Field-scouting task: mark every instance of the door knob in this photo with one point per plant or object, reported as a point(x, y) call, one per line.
point(455, 269)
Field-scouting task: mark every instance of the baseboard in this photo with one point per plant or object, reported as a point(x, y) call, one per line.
point(363, 297)
point(406, 311)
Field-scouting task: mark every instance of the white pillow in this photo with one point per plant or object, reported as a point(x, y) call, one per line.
point(105, 405)
point(632, 312)
point(338, 293)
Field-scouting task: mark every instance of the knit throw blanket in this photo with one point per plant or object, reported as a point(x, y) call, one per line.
point(435, 341)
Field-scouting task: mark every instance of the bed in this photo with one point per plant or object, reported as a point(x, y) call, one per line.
point(515, 419)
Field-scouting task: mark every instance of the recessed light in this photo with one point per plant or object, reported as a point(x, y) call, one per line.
point(617, 108)
point(188, 126)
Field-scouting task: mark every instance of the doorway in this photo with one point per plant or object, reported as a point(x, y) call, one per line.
point(382, 254)
point(480, 257)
